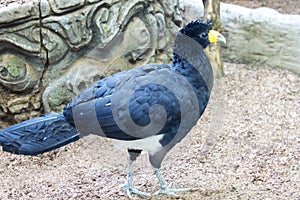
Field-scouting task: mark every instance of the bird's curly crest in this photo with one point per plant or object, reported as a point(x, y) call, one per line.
point(196, 27)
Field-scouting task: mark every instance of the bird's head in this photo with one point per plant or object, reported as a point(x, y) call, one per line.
point(200, 31)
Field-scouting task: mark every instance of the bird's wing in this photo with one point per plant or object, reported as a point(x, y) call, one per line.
point(133, 104)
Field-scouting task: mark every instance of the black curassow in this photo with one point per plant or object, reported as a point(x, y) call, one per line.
point(150, 108)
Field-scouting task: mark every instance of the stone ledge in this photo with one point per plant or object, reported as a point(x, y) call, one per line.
point(261, 37)
point(15, 12)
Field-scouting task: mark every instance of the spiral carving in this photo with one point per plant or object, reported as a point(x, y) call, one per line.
point(17, 74)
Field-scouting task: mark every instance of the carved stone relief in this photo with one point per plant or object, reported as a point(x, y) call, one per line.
point(52, 49)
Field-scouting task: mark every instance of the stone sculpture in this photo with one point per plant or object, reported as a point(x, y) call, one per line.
point(52, 49)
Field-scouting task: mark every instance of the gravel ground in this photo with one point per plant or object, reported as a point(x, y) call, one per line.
point(251, 150)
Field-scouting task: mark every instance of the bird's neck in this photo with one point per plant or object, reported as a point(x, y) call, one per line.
point(190, 60)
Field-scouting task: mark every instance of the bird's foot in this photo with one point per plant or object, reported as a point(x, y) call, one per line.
point(168, 190)
point(131, 190)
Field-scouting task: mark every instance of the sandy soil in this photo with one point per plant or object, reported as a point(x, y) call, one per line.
point(251, 129)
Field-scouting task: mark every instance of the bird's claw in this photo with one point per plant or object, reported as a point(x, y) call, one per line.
point(131, 190)
point(168, 190)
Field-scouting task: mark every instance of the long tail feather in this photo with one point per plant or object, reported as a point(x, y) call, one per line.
point(38, 135)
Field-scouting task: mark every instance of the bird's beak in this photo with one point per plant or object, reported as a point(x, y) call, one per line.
point(215, 36)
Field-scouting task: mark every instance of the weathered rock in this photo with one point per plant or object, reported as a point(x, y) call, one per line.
point(75, 80)
point(23, 103)
point(2, 113)
point(17, 101)
point(17, 74)
point(261, 37)
point(18, 108)
point(15, 12)
point(13, 104)
point(21, 117)
point(192, 10)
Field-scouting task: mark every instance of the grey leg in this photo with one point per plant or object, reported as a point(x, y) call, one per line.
point(164, 188)
point(128, 185)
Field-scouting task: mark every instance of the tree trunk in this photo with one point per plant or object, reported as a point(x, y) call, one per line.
point(212, 12)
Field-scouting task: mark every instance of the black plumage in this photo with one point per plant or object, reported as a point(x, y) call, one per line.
point(38, 135)
point(150, 108)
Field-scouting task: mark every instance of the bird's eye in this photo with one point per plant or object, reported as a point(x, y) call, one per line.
point(203, 35)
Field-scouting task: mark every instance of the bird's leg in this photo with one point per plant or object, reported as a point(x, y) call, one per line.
point(164, 188)
point(128, 185)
